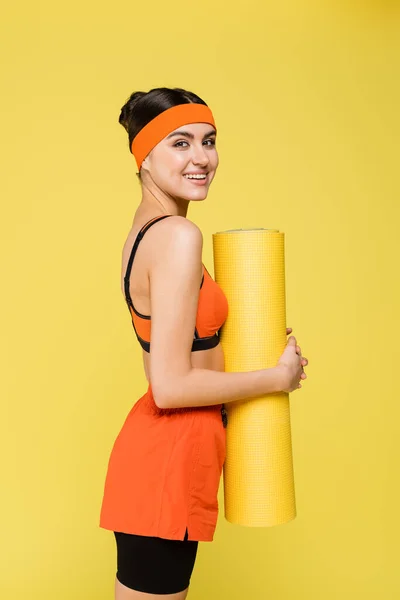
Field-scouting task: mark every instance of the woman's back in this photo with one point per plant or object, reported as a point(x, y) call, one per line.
point(139, 286)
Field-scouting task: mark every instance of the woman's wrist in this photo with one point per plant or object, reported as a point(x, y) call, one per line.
point(280, 377)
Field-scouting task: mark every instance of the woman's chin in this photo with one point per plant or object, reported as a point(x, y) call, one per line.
point(199, 196)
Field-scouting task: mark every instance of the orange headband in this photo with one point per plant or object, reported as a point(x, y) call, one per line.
point(164, 123)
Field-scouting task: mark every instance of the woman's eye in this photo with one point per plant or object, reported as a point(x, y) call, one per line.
point(184, 142)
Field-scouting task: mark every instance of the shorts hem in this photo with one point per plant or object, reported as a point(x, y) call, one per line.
point(149, 591)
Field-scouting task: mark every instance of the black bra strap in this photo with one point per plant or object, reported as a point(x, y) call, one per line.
point(139, 236)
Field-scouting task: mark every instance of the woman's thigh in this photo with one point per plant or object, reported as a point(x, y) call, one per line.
point(148, 566)
point(124, 593)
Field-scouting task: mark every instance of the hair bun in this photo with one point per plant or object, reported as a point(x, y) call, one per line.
point(128, 109)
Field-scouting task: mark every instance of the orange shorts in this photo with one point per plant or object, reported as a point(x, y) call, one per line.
point(164, 472)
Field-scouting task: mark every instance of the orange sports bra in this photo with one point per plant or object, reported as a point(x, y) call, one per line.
point(212, 309)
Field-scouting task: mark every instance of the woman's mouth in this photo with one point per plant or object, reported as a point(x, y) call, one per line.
point(197, 179)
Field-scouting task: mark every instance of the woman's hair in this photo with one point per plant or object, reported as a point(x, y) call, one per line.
point(142, 107)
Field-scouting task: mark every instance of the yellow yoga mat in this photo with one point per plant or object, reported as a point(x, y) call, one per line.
point(258, 477)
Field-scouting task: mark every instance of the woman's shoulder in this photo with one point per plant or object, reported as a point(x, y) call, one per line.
point(173, 240)
point(179, 223)
point(181, 229)
point(177, 235)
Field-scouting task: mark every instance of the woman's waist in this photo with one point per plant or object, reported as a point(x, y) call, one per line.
point(148, 426)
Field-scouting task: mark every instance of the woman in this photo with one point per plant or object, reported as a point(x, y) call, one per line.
point(160, 495)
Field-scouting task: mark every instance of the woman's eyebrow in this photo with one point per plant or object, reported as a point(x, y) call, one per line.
point(190, 135)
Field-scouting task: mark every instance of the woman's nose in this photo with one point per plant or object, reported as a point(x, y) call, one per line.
point(199, 156)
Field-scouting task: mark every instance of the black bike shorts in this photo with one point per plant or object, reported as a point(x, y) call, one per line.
point(154, 565)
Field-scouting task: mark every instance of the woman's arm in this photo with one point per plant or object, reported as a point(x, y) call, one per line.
point(175, 278)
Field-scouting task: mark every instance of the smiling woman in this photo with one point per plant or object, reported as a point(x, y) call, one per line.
point(160, 494)
point(159, 510)
point(177, 138)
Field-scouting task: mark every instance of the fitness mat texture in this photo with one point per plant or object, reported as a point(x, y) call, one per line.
point(249, 265)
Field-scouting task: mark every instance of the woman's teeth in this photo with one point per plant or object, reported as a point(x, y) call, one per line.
point(195, 176)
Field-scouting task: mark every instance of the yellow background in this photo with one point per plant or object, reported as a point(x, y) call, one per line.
point(306, 98)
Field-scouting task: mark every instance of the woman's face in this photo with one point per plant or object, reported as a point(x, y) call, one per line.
point(187, 149)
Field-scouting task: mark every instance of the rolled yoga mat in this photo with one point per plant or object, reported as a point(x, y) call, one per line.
point(258, 471)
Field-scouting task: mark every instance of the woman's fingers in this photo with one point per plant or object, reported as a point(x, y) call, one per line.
point(304, 361)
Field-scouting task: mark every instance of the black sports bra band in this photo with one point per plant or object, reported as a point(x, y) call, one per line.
point(198, 344)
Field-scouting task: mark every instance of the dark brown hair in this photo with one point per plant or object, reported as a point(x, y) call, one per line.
point(142, 107)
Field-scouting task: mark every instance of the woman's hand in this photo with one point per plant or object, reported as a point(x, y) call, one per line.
point(292, 364)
